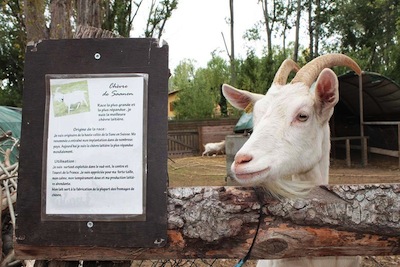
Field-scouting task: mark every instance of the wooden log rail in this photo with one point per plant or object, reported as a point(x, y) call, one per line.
point(220, 222)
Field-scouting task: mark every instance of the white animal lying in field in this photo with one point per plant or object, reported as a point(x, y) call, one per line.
point(288, 151)
point(75, 98)
point(214, 148)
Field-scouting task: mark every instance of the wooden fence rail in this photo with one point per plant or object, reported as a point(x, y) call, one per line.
point(221, 222)
point(183, 143)
point(187, 138)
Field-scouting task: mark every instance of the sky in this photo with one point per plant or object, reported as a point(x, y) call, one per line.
point(194, 29)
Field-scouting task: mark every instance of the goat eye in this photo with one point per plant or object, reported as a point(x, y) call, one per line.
point(302, 117)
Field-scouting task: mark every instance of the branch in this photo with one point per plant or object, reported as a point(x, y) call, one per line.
point(226, 47)
point(85, 31)
point(220, 222)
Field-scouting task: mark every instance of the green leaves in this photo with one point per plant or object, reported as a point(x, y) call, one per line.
point(199, 90)
point(12, 45)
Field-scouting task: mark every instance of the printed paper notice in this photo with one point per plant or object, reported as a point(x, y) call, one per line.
point(95, 150)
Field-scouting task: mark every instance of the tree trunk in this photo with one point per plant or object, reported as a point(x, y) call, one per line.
point(89, 13)
point(297, 26)
point(286, 25)
point(35, 21)
point(221, 222)
point(317, 27)
point(310, 29)
point(268, 27)
point(232, 55)
point(60, 26)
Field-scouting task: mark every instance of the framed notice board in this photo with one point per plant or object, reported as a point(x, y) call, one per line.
point(94, 144)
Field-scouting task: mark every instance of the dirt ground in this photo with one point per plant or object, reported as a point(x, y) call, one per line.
point(211, 171)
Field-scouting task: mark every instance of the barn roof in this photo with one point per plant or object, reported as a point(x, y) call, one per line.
point(381, 101)
point(381, 97)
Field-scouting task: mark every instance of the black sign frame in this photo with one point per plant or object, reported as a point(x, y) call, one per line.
point(93, 57)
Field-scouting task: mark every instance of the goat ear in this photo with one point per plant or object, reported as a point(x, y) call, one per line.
point(239, 98)
point(326, 94)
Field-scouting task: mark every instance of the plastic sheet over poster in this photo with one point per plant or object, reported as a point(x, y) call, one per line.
point(95, 160)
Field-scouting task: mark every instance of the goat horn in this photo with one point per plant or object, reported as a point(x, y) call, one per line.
point(284, 70)
point(311, 70)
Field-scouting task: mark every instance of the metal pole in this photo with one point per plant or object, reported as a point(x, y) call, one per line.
point(364, 156)
point(348, 154)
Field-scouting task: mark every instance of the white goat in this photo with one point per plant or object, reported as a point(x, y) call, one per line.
point(71, 99)
point(214, 148)
point(288, 151)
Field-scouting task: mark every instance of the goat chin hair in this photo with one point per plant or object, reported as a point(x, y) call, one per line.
point(284, 188)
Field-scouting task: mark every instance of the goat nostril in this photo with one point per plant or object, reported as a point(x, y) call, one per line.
point(244, 158)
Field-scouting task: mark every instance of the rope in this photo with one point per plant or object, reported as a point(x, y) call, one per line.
point(243, 261)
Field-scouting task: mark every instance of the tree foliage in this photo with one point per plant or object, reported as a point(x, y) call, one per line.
point(119, 15)
point(368, 30)
point(256, 74)
point(199, 90)
point(183, 75)
point(159, 13)
point(12, 44)
point(22, 21)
